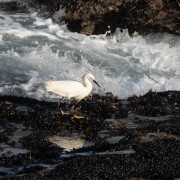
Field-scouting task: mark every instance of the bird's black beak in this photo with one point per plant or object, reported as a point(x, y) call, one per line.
point(96, 83)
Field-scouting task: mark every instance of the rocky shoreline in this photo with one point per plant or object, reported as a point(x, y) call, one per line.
point(103, 137)
point(110, 138)
point(97, 16)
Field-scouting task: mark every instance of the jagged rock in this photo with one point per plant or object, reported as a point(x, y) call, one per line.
point(94, 16)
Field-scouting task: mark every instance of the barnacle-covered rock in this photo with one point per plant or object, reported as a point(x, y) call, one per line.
point(133, 138)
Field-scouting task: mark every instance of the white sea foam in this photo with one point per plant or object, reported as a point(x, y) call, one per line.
point(36, 49)
point(41, 22)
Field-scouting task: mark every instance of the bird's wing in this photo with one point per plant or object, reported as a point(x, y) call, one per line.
point(63, 87)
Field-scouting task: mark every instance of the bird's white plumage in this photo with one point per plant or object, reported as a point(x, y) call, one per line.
point(71, 89)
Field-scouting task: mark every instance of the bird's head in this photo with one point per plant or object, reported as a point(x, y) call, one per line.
point(91, 78)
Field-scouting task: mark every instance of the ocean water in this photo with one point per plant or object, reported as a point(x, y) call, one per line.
point(34, 49)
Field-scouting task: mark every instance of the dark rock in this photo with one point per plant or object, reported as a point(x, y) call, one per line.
point(13, 5)
point(4, 136)
point(158, 159)
point(95, 16)
point(154, 144)
point(37, 143)
point(156, 103)
point(20, 159)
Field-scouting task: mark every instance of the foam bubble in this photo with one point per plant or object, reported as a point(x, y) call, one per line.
point(42, 22)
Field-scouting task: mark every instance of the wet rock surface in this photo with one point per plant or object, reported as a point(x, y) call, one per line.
point(13, 5)
point(101, 137)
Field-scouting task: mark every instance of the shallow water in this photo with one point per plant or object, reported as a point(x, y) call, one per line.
point(33, 50)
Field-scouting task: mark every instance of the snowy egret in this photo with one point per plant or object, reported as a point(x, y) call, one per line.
point(72, 89)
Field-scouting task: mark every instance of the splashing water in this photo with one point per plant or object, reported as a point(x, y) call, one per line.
point(33, 50)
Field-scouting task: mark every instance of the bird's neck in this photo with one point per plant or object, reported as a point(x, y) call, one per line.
point(87, 83)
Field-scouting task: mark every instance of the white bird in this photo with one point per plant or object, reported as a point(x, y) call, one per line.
point(72, 89)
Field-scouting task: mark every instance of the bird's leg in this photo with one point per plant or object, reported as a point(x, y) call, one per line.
point(72, 108)
point(60, 101)
point(63, 113)
point(61, 98)
point(75, 107)
point(78, 117)
point(74, 104)
point(66, 107)
point(78, 102)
